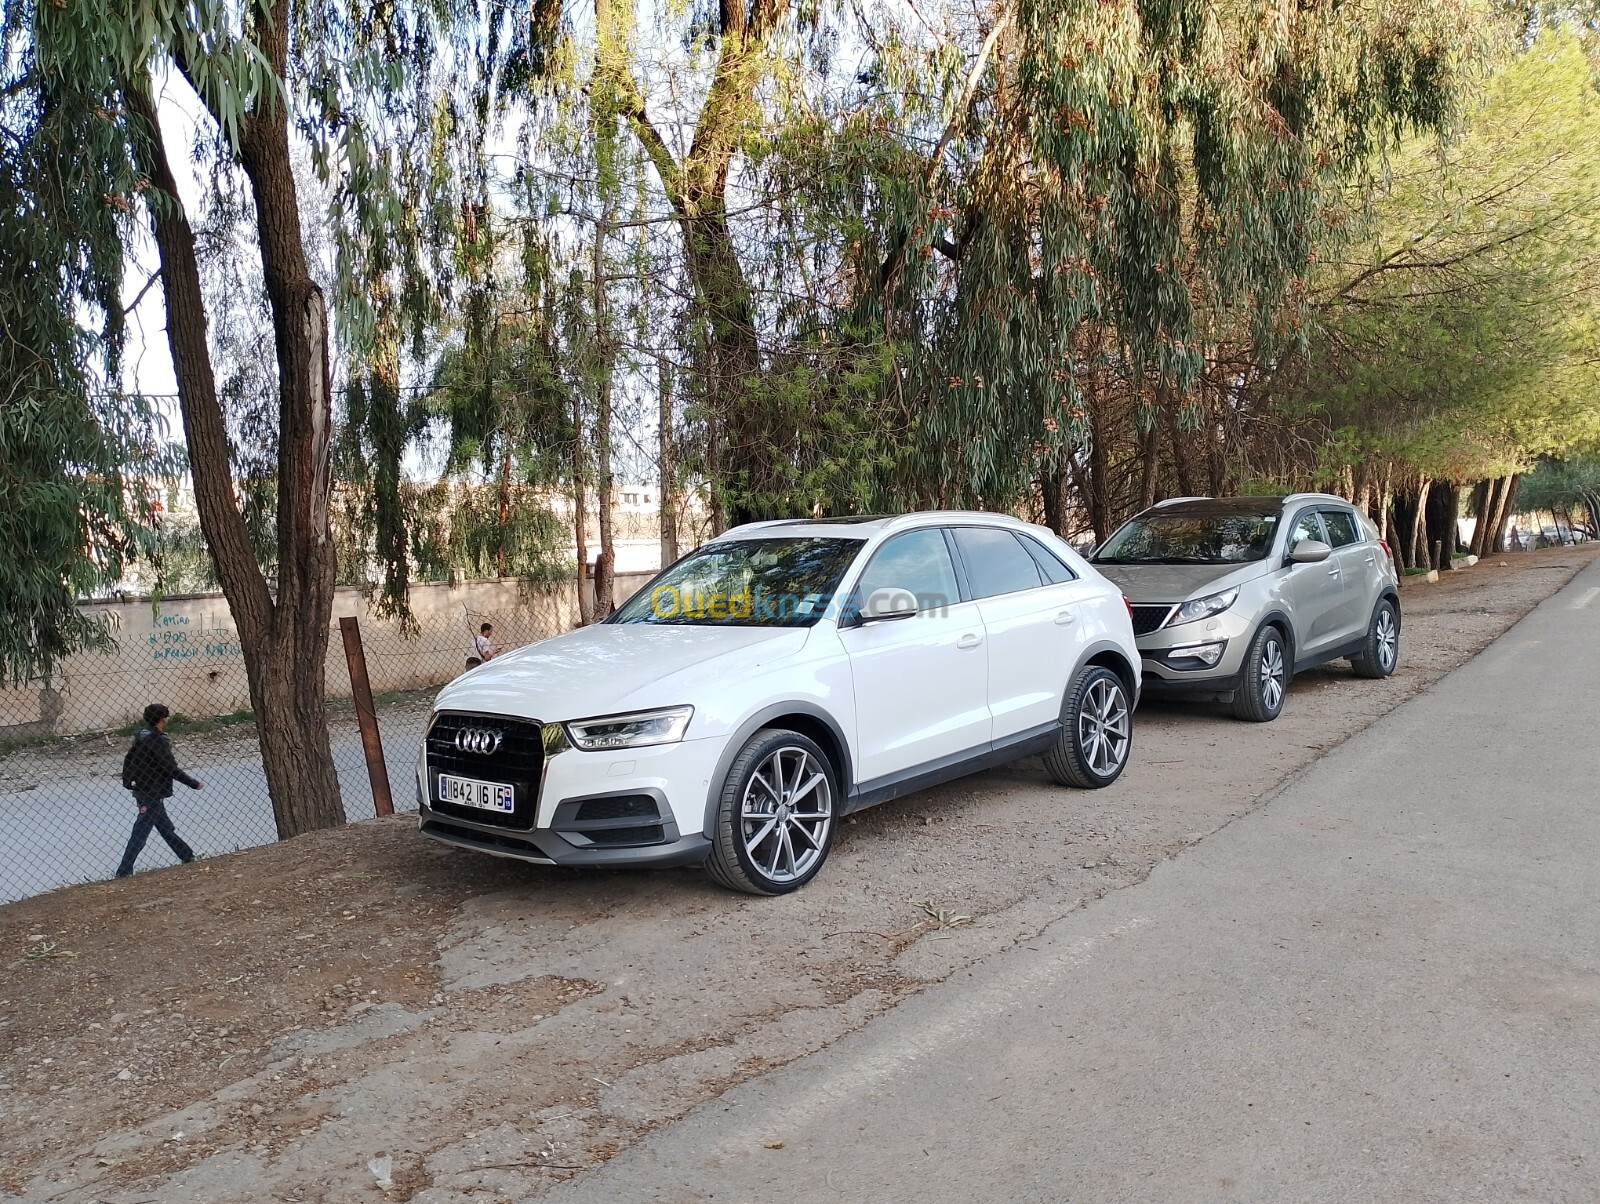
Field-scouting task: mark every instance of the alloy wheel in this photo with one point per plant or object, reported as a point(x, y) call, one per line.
point(1388, 639)
point(785, 813)
point(1272, 674)
point(1104, 726)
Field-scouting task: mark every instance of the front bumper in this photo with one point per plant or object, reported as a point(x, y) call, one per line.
point(625, 807)
point(1165, 674)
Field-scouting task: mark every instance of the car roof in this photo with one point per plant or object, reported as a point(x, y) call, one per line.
point(865, 526)
point(1221, 505)
point(1249, 505)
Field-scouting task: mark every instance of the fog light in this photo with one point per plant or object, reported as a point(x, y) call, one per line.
point(1195, 656)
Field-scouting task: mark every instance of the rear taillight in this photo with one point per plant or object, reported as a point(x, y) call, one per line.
point(1128, 602)
point(1384, 544)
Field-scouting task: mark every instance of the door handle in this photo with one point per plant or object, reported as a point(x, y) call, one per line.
point(1065, 618)
point(969, 641)
point(1333, 571)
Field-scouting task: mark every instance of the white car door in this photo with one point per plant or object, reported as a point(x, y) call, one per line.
point(1028, 602)
point(921, 684)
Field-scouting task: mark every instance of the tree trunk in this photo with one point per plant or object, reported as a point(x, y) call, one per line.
point(505, 509)
point(1478, 505)
point(283, 633)
point(1419, 526)
point(1053, 492)
point(580, 512)
point(1504, 512)
point(1442, 530)
point(1150, 464)
point(1097, 483)
point(665, 471)
point(606, 566)
point(1180, 462)
point(1391, 536)
point(1483, 533)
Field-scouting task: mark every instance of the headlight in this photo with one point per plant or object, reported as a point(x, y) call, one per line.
point(637, 730)
point(1204, 608)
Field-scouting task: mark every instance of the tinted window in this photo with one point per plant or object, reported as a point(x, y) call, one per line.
point(1307, 526)
point(1051, 566)
point(918, 561)
point(1168, 538)
point(996, 562)
point(1341, 527)
point(746, 583)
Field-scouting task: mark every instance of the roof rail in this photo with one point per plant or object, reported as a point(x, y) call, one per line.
point(765, 522)
point(1173, 501)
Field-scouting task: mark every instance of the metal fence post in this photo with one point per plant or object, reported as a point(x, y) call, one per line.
point(366, 715)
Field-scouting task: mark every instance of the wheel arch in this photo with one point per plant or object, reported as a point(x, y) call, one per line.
point(807, 718)
point(1278, 619)
point(1107, 655)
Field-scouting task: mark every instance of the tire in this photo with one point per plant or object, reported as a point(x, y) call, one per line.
point(1265, 678)
point(763, 842)
point(1096, 732)
point(1381, 652)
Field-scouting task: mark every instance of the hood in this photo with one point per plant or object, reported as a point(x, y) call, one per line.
point(1178, 582)
point(614, 667)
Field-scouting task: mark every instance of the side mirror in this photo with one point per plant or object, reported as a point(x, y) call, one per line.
point(889, 603)
point(1310, 551)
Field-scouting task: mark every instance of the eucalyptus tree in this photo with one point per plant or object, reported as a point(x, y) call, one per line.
point(268, 77)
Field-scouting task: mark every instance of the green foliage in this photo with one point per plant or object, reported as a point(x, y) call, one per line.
point(1461, 315)
point(1570, 486)
point(78, 462)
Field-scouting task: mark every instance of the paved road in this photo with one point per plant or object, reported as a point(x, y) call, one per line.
point(1383, 985)
point(74, 829)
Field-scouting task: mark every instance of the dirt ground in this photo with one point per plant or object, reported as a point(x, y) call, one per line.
point(265, 1025)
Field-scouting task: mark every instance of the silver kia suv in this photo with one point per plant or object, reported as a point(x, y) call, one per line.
point(1233, 596)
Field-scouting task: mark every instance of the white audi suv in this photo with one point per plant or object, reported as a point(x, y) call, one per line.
point(776, 679)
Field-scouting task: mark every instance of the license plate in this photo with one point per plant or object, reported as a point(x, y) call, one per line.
point(469, 792)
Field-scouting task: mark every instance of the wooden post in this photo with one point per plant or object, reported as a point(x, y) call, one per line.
point(366, 716)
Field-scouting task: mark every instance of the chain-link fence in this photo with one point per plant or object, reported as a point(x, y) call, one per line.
point(64, 815)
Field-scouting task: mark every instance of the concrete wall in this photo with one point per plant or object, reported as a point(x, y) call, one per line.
point(184, 652)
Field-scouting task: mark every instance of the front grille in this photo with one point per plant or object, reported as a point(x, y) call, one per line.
point(518, 762)
point(1148, 618)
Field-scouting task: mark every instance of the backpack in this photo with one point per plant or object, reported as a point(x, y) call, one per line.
point(132, 761)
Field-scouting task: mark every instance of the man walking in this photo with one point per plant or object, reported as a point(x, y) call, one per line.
point(148, 771)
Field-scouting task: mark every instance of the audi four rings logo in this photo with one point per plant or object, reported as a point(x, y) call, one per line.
point(481, 740)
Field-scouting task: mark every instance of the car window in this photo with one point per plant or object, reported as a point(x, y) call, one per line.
point(746, 583)
point(1168, 537)
point(918, 561)
point(996, 562)
point(1307, 526)
point(1051, 566)
point(1341, 528)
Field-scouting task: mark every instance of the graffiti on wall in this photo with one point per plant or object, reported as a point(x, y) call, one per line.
point(178, 638)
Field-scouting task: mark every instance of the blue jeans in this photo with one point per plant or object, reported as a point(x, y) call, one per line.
point(152, 814)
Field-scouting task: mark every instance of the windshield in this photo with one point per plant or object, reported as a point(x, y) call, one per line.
point(1190, 539)
point(746, 583)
